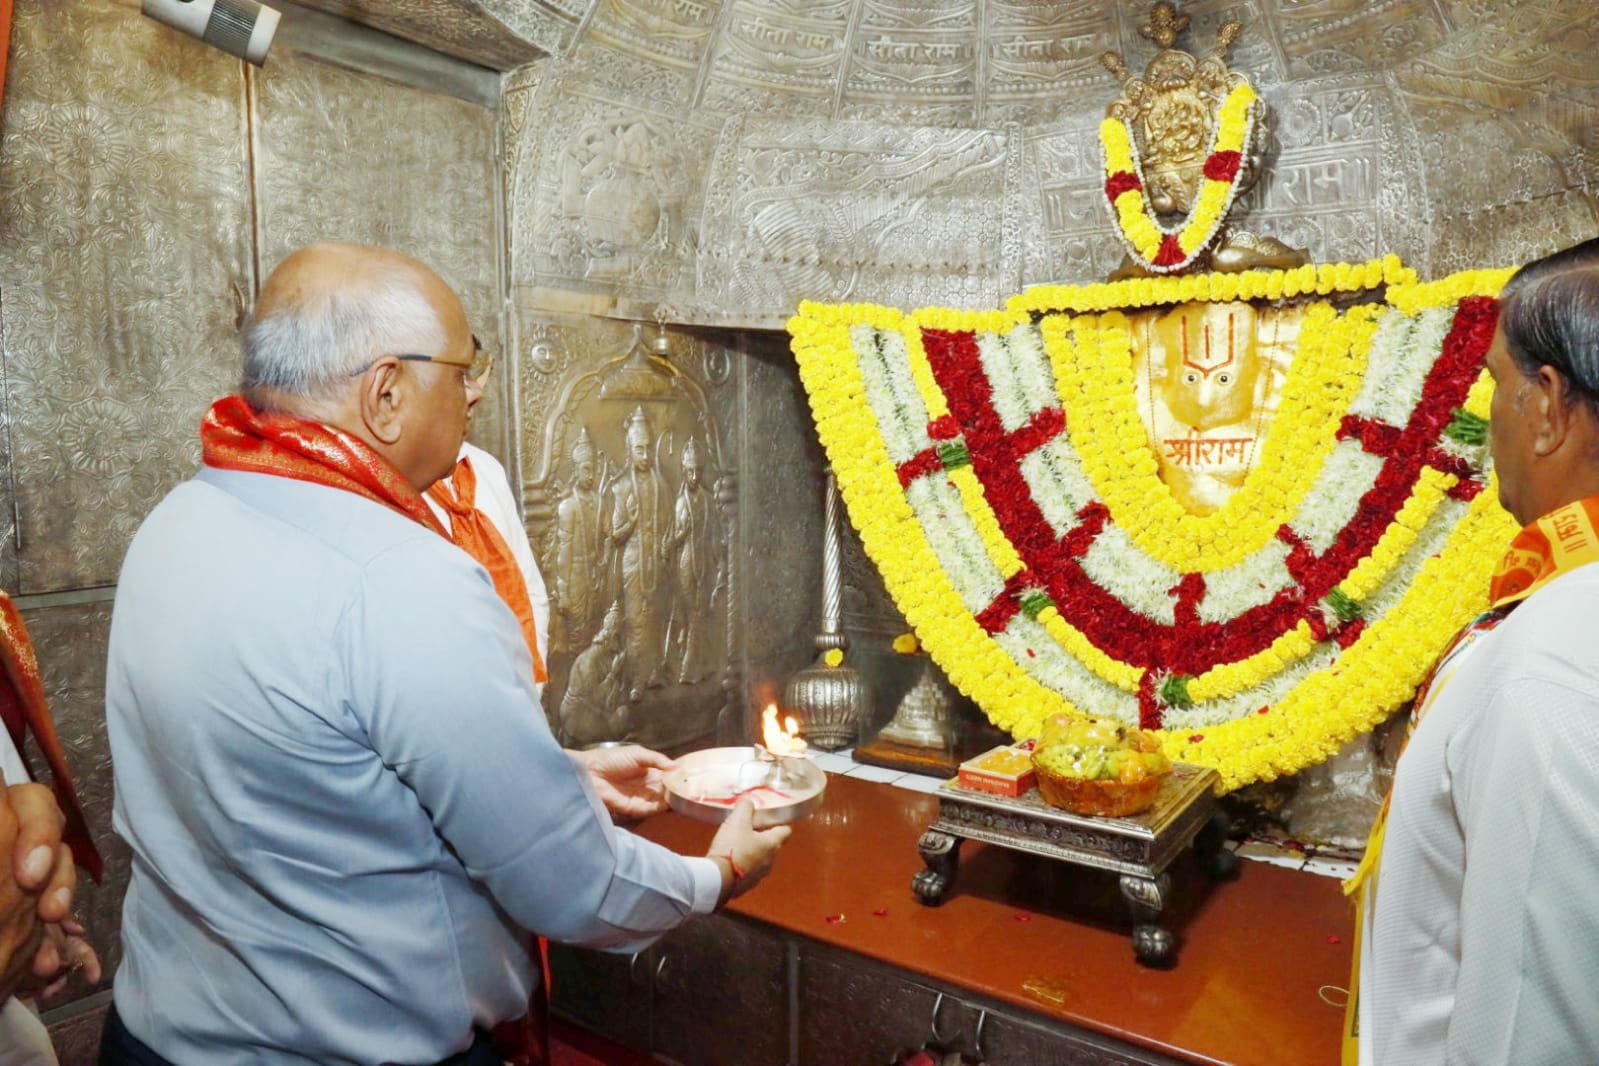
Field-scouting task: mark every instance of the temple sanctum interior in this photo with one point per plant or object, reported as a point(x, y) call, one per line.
point(932, 375)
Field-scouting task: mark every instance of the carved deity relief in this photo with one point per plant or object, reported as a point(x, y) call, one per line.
point(1208, 379)
point(620, 179)
point(696, 569)
point(640, 592)
point(581, 551)
point(594, 705)
point(639, 522)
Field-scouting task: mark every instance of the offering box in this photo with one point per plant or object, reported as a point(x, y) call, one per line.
point(1003, 771)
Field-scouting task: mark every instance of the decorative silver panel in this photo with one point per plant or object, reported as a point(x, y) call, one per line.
point(501, 34)
point(1515, 232)
point(1038, 54)
point(1346, 182)
point(71, 646)
point(345, 156)
point(798, 50)
point(668, 32)
point(606, 195)
point(848, 211)
point(1383, 113)
point(1351, 36)
point(124, 237)
point(631, 506)
point(8, 488)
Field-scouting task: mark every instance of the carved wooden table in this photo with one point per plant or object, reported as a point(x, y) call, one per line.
point(1138, 848)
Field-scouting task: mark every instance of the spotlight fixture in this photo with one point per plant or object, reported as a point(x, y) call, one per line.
point(240, 28)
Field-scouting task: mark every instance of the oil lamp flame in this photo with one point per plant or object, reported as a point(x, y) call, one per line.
point(780, 740)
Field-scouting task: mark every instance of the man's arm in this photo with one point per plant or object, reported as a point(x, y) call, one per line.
point(443, 683)
point(1526, 781)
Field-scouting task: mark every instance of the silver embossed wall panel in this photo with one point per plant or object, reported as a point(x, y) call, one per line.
point(8, 493)
point(631, 487)
point(1038, 57)
point(1350, 36)
point(606, 194)
point(672, 33)
point(346, 156)
point(501, 34)
point(779, 57)
point(850, 211)
point(1397, 126)
point(124, 227)
point(1346, 182)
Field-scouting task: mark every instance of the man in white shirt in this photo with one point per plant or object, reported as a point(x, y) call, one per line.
point(1481, 934)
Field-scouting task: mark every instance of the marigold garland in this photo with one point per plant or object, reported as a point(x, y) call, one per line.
point(982, 457)
point(1150, 244)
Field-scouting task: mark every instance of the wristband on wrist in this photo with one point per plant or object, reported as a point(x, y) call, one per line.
point(738, 871)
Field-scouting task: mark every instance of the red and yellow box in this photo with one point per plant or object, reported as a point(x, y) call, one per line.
point(1005, 771)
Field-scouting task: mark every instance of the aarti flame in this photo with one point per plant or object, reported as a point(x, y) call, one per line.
point(784, 740)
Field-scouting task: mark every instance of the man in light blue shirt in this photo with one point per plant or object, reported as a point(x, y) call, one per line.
point(343, 817)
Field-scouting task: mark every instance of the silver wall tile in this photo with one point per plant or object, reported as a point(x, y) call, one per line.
point(501, 34)
point(124, 229)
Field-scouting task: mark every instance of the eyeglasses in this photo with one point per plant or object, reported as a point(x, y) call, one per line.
point(476, 372)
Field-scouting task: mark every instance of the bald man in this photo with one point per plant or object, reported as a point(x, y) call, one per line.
point(343, 816)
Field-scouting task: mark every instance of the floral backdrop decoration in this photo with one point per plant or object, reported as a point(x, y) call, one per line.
point(996, 468)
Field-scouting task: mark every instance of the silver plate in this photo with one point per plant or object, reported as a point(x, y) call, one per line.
point(702, 776)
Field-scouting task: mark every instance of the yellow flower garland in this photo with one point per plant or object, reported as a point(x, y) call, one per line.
point(1374, 675)
point(1138, 228)
point(1101, 405)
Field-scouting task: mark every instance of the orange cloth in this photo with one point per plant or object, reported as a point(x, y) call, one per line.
point(1560, 541)
point(24, 710)
point(234, 436)
point(471, 529)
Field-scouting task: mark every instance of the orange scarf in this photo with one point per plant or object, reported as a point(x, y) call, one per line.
point(234, 436)
point(24, 710)
point(471, 529)
point(1556, 544)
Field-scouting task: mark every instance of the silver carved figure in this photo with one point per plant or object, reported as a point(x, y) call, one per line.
point(695, 572)
point(581, 551)
point(638, 529)
point(925, 717)
point(829, 701)
point(594, 707)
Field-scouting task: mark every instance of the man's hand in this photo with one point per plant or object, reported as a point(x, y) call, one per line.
point(746, 852)
point(41, 865)
point(63, 953)
point(36, 883)
point(629, 779)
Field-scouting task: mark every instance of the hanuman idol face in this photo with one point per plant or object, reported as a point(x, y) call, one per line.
point(1212, 363)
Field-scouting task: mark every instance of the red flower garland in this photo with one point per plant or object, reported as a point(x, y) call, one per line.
point(1190, 647)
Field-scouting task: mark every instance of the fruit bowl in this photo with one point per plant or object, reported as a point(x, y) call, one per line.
point(1103, 799)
